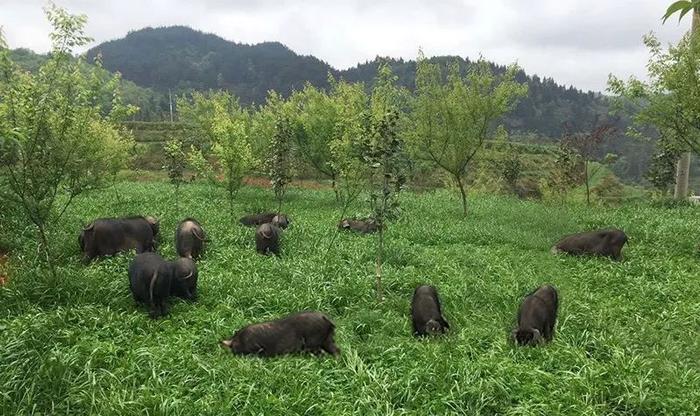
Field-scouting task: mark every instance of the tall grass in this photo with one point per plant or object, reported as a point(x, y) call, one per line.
point(627, 338)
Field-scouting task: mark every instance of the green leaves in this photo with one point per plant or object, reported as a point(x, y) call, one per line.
point(682, 6)
point(221, 129)
point(453, 114)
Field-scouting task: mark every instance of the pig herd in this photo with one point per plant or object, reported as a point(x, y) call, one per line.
point(153, 280)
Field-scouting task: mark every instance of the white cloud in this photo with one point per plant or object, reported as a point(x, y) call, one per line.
point(575, 42)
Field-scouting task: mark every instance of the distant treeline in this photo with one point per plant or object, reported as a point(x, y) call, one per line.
point(157, 63)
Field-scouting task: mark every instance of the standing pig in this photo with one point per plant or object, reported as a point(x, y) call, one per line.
point(184, 283)
point(150, 279)
point(600, 243)
point(426, 312)
point(109, 236)
point(300, 332)
point(267, 239)
point(537, 317)
point(189, 239)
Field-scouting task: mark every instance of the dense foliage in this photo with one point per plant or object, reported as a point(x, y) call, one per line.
point(59, 133)
point(454, 115)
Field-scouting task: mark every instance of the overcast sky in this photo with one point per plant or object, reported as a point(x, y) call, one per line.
point(577, 42)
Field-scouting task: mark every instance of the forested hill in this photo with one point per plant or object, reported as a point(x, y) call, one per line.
point(181, 59)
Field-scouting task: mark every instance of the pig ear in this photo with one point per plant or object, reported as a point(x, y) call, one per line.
point(225, 343)
point(89, 227)
point(188, 276)
point(536, 336)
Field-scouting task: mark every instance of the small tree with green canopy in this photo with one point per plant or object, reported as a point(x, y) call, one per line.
point(346, 145)
point(58, 140)
point(223, 128)
point(383, 151)
point(662, 169)
point(317, 115)
point(175, 164)
point(279, 158)
point(453, 115)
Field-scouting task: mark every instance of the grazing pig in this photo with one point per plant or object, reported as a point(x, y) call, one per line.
point(361, 226)
point(267, 239)
point(184, 281)
point(108, 236)
point(601, 243)
point(150, 279)
point(189, 238)
point(300, 332)
point(426, 312)
point(537, 317)
point(280, 220)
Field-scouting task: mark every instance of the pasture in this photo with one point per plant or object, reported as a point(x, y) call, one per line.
point(627, 339)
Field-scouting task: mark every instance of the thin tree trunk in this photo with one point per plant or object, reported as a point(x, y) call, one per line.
point(458, 179)
point(47, 250)
point(380, 255)
point(335, 188)
point(588, 189)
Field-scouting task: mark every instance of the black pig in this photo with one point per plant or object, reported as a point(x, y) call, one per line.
point(108, 236)
point(537, 317)
point(601, 243)
point(300, 332)
point(150, 279)
point(267, 239)
point(184, 278)
point(189, 238)
point(426, 312)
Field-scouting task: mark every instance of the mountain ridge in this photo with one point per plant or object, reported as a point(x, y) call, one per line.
point(182, 59)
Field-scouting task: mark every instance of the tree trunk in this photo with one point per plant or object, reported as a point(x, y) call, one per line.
point(458, 179)
point(683, 166)
point(682, 176)
point(380, 255)
point(335, 188)
point(47, 250)
point(588, 189)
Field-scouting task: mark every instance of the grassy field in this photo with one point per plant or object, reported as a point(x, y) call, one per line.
point(628, 334)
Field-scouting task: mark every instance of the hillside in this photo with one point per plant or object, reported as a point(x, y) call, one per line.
point(181, 59)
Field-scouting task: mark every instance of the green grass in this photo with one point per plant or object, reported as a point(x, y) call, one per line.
point(627, 337)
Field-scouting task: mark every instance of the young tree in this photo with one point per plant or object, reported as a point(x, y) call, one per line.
point(668, 101)
point(346, 143)
point(175, 164)
point(453, 115)
point(223, 127)
point(317, 115)
point(586, 146)
point(511, 167)
point(279, 158)
point(662, 169)
point(62, 141)
point(383, 151)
